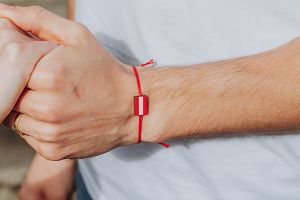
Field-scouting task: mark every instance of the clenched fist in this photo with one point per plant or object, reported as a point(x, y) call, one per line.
point(79, 98)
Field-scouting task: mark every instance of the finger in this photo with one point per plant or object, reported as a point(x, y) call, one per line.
point(11, 26)
point(26, 102)
point(35, 144)
point(9, 33)
point(32, 127)
point(11, 120)
point(32, 103)
point(17, 63)
point(29, 127)
point(7, 24)
point(32, 19)
point(35, 134)
point(47, 150)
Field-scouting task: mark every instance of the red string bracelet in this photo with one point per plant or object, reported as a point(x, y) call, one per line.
point(141, 103)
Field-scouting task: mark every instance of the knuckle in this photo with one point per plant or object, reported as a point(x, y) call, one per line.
point(7, 35)
point(52, 81)
point(5, 23)
point(53, 134)
point(81, 28)
point(54, 78)
point(51, 153)
point(81, 31)
point(53, 115)
point(13, 49)
point(48, 113)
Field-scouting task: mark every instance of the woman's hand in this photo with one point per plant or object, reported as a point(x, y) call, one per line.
point(18, 56)
point(79, 101)
point(48, 180)
point(19, 53)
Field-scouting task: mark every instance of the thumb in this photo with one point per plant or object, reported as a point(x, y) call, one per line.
point(40, 22)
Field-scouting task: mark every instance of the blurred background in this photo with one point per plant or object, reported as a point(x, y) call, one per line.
point(15, 155)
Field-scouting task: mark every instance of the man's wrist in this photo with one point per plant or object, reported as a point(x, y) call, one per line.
point(160, 85)
point(128, 89)
point(216, 98)
point(168, 102)
point(157, 87)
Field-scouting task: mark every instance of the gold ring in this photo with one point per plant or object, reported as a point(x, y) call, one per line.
point(16, 125)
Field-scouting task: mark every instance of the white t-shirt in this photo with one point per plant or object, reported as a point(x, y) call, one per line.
point(177, 32)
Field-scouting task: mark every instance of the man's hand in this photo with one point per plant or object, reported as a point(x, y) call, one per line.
point(79, 101)
point(79, 98)
point(18, 57)
point(48, 180)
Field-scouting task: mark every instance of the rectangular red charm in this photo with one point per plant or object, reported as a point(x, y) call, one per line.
point(141, 105)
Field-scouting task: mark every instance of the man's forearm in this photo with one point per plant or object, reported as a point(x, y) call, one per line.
point(249, 94)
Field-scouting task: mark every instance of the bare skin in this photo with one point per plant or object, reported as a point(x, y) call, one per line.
point(48, 180)
point(257, 93)
point(57, 184)
point(254, 93)
point(18, 57)
point(45, 179)
point(76, 51)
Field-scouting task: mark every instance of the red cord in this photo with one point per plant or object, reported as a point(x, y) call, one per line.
point(164, 144)
point(150, 62)
point(138, 81)
point(140, 129)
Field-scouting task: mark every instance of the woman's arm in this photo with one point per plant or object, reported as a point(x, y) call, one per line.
point(49, 180)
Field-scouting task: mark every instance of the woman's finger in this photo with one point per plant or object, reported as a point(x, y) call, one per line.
point(28, 126)
point(8, 24)
point(56, 28)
